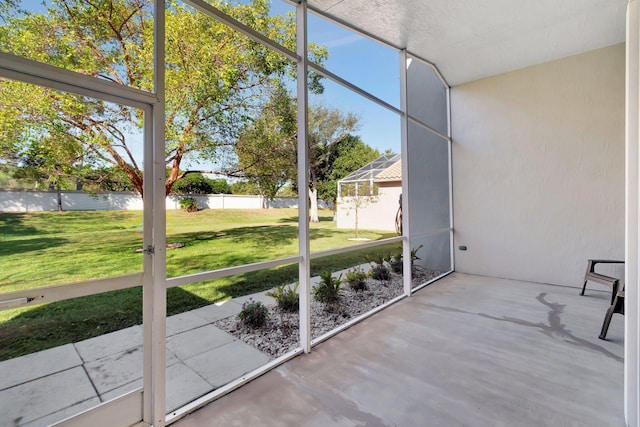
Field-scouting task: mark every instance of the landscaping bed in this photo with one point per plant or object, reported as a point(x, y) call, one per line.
point(280, 333)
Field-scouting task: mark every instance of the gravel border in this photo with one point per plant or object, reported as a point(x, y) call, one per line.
point(280, 334)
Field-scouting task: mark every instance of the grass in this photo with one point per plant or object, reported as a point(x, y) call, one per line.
point(49, 248)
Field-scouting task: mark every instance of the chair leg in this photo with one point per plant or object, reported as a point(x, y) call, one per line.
point(607, 321)
point(584, 287)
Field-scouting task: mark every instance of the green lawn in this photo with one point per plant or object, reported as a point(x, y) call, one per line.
point(49, 248)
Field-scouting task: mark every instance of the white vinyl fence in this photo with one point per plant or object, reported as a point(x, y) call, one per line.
point(32, 201)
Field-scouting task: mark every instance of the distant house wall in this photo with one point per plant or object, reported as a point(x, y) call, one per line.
point(538, 168)
point(33, 201)
point(377, 214)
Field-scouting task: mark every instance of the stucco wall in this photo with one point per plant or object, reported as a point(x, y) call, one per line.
point(538, 168)
point(378, 213)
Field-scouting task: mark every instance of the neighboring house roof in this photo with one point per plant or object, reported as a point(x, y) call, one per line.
point(391, 174)
point(387, 166)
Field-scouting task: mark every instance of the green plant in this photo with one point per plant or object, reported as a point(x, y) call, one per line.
point(189, 204)
point(395, 261)
point(328, 290)
point(357, 279)
point(253, 313)
point(287, 297)
point(379, 270)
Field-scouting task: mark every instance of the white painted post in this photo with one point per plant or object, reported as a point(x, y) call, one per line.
point(154, 292)
point(404, 155)
point(632, 236)
point(304, 270)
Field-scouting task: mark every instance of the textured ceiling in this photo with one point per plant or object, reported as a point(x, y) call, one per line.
point(470, 39)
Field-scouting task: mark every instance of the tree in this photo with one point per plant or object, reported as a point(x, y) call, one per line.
point(267, 147)
point(349, 155)
point(356, 197)
point(244, 188)
point(196, 183)
point(215, 78)
point(328, 129)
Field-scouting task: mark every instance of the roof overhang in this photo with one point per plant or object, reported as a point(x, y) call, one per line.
point(468, 40)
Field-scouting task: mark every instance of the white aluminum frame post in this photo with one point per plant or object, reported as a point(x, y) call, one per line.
point(632, 212)
point(155, 289)
point(304, 270)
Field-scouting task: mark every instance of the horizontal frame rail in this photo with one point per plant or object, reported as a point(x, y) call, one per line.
point(435, 279)
point(230, 271)
point(342, 82)
point(323, 15)
point(228, 388)
point(328, 252)
point(427, 127)
point(26, 70)
point(358, 319)
point(222, 17)
point(27, 297)
point(430, 233)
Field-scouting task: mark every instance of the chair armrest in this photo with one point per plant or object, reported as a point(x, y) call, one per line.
point(592, 263)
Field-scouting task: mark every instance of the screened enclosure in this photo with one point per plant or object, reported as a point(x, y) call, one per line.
point(173, 356)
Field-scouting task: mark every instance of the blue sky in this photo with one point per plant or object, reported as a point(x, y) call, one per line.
point(367, 64)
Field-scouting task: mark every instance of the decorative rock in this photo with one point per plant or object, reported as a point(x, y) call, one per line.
point(280, 334)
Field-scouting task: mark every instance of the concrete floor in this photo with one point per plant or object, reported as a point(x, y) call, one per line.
point(465, 351)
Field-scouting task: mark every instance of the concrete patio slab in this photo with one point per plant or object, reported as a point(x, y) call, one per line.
point(196, 341)
point(45, 396)
point(215, 312)
point(464, 351)
point(227, 362)
point(259, 296)
point(111, 343)
point(36, 365)
point(117, 370)
point(184, 386)
point(183, 322)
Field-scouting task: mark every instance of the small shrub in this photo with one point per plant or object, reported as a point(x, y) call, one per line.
point(253, 313)
point(189, 204)
point(395, 262)
point(287, 298)
point(357, 279)
point(328, 290)
point(379, 270)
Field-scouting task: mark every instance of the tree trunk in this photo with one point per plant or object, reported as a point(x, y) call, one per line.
point(335, 209)
point(59, 199)
point(313, 206)
point(357, 205)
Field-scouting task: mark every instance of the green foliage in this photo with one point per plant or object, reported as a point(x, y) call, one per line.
point(395, 260)
point(347, 156)
point(266, 149)
point(379, 270)
point(328, 290)
point(196, 183)
point(253, 314)
point(357, 279)
point(189, 204)
point(287, 297)
point(245, 188)
point(216, 79)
